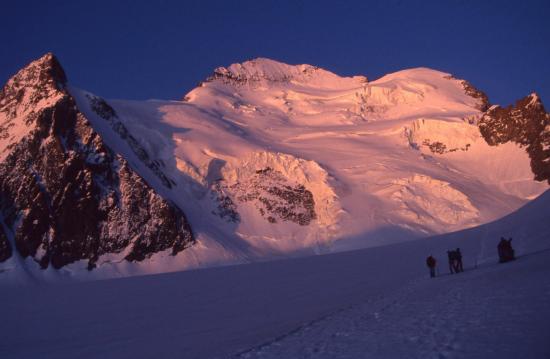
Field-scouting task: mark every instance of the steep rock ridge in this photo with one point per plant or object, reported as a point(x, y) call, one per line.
point(471, 91)
point(107, 113)
point(526, 123)
point(31, 89)
point(64, 194)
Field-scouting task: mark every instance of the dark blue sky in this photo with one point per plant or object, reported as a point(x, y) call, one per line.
point(162, 49)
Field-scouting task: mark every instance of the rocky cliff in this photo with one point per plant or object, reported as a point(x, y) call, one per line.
point(526, 123)
point(65, 195)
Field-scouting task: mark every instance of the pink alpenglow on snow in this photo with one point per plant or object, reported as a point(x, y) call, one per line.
point(262, 161)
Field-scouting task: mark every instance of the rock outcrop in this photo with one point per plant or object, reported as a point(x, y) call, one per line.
point(275, 198)
point(526, 123)
point(5, 248)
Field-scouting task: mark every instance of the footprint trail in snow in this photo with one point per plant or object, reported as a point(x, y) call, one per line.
point(495, 311)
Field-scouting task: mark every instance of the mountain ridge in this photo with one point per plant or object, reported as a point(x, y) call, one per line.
point(65, 195)
point(267, 160)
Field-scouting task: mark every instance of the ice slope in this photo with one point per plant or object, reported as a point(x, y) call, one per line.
point(378, 300)
point(384, 161)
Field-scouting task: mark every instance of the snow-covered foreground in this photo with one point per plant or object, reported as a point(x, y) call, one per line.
point(499, 311)
point(376, 302)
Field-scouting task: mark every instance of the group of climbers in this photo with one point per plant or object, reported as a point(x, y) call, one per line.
point(505, 254)
point(455, 261)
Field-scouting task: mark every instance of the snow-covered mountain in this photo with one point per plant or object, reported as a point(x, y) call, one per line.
point(65, 195)
point(262, 160)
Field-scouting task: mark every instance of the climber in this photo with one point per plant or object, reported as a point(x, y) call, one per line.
point(501, 247)
point(431, 263)
point(451, 255)
point(458, 261)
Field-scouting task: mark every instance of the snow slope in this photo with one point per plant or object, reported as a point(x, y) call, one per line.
point(491, 312)
point(376, 301)
point(384, 161)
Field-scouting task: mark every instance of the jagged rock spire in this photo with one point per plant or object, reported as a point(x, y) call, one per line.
point(65, 195)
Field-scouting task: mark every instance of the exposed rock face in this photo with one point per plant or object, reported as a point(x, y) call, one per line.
point(477, 94)
point(64, 194)
point(106, 112)
point(5, 248)
point(527, 124)
point(226, 209)
point(441, 148)
point(272, 194)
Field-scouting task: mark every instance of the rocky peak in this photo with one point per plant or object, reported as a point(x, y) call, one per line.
point(532, 101)
point(65, 195)
point(37, 86)
point(526, 123)
point(48, 69)
point(43, 77)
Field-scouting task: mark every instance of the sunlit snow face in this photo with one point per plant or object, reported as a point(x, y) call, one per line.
point(269, 159)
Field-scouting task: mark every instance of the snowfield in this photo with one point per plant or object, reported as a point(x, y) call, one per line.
point(492, 312)
point(377, 302)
